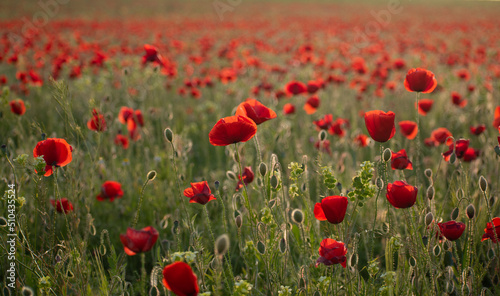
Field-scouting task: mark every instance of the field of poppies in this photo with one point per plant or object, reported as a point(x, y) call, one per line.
point(249, 148)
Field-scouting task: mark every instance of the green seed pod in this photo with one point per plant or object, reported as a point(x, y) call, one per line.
point(222, 245)
point(238, 221)
point(436, 250)
point(261, 248)
point(169, 135)
point(471, 211)
point(497, 150)
point(492, 201)
point(297, 216)
point(430, 192)
point(322, 135)
point(231, 175)
point(380, 183)
point(387, 155)
point(428, 218)
point(483, 184)
point(283, 245)
point(413, 261)
point(428, 173)
point(454, 214)
point(216, 185)
point(151, 175)
point(262, 169)
point(453, 158)
point(274, 181)
point(460, 193)
point(27, 291)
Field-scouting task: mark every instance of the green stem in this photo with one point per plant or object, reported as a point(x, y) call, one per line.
point(141, 198)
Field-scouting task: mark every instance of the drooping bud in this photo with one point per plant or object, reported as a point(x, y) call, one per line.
point(454, 214)
point(428, 173)
point(169, 135)
point(431, 192)
point(238, 221)
point(380, 183)
point(274, 181)
point(322, 135)
point(151, 175)
point(231, 175)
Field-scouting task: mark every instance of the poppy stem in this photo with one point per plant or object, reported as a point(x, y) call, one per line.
point(417, 162)
point(141, 198)
point(257, 148)
point(245, 193)
point(143, 273)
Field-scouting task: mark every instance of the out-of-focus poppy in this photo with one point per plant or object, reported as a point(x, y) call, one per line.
point(401, 195)
point(362, 140)
point(125, 114)
point(97, 122)
point(199, 193)
point(471, 154)
point(17, 107)
point(55, 152)
point(295, 88)
point(452, 230)
point(62, 205)
point(110, 190)
point(408, 128)
point(121, 140)
point(324, 123)
point(331, 208)
point(179, 278)
point(288, 109)
point(424, 106)
point(463, 74)
point(380, 125)
point(247, 178)
point(313, 86)
point(232, 129)
point(312, 105)
point(152, 55)
point(460, 147)
point(420, 80)
point(457, 100)
point(492, 230)
point(138, 241)
point(439, 136)
point(496, 120)
point(400, 161)
point(255, 110)
point(337, 127)
point(477, 130)
point(332, 252)
point(325, 146)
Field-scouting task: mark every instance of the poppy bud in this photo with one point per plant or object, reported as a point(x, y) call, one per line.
point(470, 211)
point(4, 148)
point(274, 181)
point(492, 201)
point(216, 185)
point(387, 155)
point(413, 261)
point(222, 245)
point(283, 245)
point(27, 291)
point(460, 193)
point(297, 216)
point(380, 183)
point(238, 221)
point(430, 192)
point(169, 135)
point(454, 214)
point(262, 169)
point(3, 222)
point(125, 71)
point(261, 247)
point(453, 158)
point(44, 136)
point(437, 250)
point(497, 150)
point(322, 135)
point(231, 175)
point(151, 175)
point(483, 184)
point(428, 173)
point(428, 218)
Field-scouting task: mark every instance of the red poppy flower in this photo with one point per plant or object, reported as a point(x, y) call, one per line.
point(247, 178)
point(110, 190)
point(179, 278)
point(121, 140)
point(325, 147)
point(55, 152)
point(477, 130)
point(138, 117)
point(408, 128)
point(337, 127)
point(420, 80)
point(35, 78)
point(359, 65)
point(232, 129)
point(471, 154)
point(362, 140)
point(457, 100)
point(400, 161)
point(463, 74)
point(331, 208)
point(332, 252)
point(401, 195)
point(424, 106)
point(452, 230)
point(295, 88)
point(399, 64)
point(313, 86)
point(152, 55)
point(324, 123)
point(288, 109)
point(496, 121)
point(62, 205)
point(17, 107)
point(97, 122)
point(311, 105)
point(380, 125)
point(199, 193)
point(439, 136)
point(138, 241)
point(491, 229)
point(125, 114)
point(133, 129)
point(460, 147)
point(256, 111)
